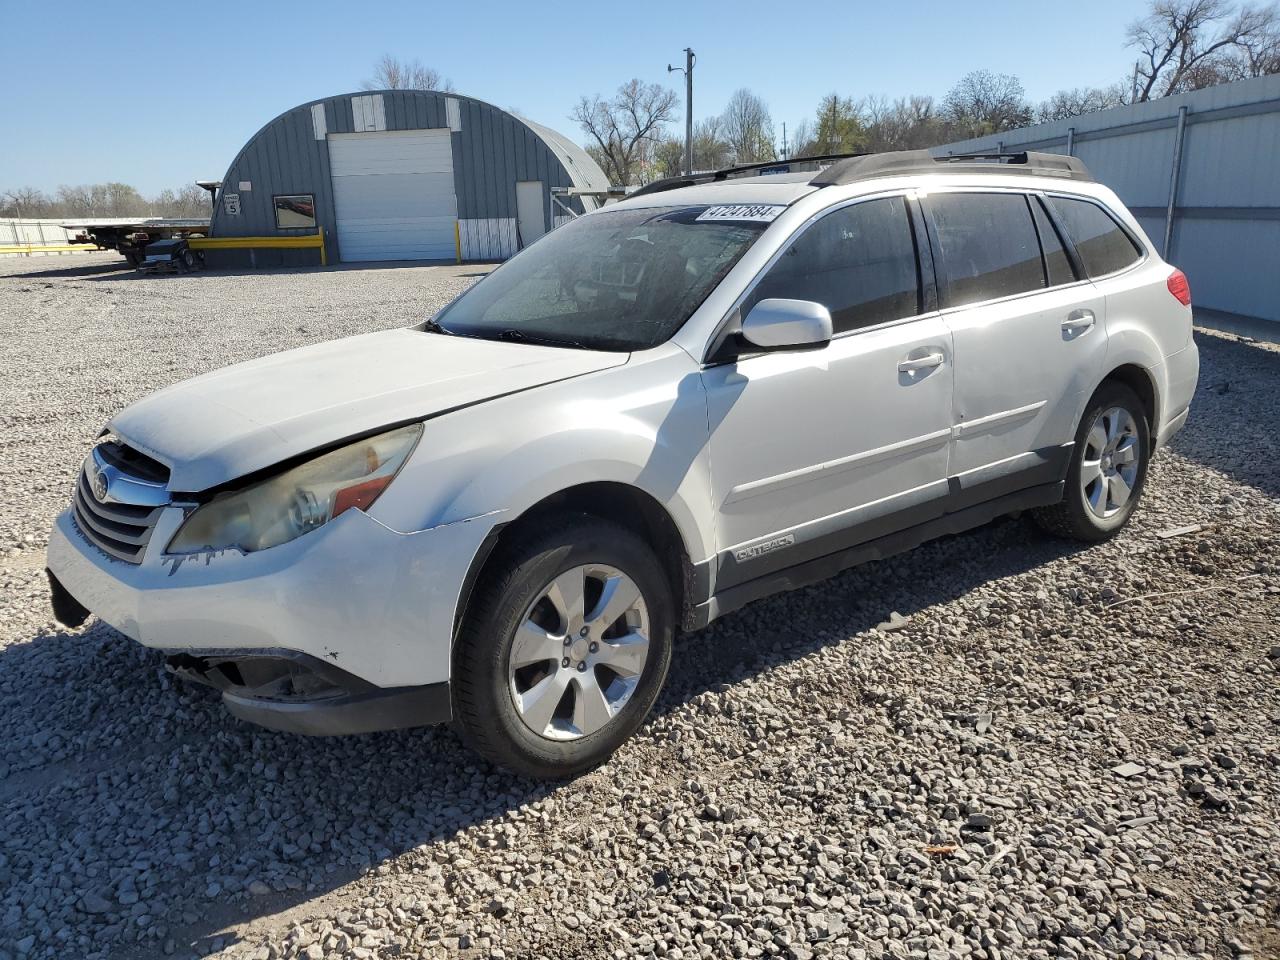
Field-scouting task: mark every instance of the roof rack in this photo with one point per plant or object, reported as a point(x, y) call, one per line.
point(675, 183)
point(922, 161)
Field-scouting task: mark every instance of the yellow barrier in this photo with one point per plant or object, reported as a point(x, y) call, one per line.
point(275, 243)
point(49, 248)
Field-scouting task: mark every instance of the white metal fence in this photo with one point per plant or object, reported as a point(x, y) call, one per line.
point(1201, 171)
point(34, 233)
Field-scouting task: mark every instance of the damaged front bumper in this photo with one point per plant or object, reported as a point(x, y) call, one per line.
point(347, 629)
point(295, 692)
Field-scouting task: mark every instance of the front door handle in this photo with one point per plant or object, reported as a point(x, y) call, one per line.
point(1078, 323)
point(915, 364)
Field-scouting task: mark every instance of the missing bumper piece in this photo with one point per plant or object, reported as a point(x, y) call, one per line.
point(297, 693)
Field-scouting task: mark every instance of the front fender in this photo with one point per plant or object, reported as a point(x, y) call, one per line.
point(643, 424)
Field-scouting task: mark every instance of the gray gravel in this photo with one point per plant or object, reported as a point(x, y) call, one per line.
point(1048, 752)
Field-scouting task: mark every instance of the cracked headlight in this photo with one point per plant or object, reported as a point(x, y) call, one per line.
point(301, 499)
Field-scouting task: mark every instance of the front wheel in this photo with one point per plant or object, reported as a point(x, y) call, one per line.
point(564, 649)
point(1108, 468)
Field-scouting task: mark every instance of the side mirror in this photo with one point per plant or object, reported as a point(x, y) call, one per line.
point(778, 324)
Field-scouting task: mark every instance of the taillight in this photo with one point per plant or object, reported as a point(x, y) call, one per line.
point(1179, 287)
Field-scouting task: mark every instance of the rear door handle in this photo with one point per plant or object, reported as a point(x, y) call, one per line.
point(1078, 323)
point(914, 364)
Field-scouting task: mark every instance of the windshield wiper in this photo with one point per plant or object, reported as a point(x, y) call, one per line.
point(434, 326)
point(519, 336)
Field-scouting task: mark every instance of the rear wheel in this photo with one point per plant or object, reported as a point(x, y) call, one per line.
point(189, 260)
point(1108, 468)
point(564, 649)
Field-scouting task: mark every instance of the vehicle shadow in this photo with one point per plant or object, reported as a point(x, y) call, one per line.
point(93, 271)
point(213, 822)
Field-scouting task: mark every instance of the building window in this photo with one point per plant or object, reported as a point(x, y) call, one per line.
point(298, 210)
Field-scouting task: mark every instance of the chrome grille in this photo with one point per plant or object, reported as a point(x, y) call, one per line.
point(133, 463)
point(120, 523)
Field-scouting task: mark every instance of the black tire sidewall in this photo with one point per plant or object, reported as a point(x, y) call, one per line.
point(1088, 524)
point(483, 704)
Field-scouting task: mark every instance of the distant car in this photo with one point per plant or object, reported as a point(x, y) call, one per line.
point(655, 414)
point(170, 255)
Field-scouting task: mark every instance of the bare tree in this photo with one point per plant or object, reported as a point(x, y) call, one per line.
point(1259, 54)
point(984, 102)
point(668, 157)
point(187, 201)
point(908, 123)
point(391, 73)
point(1081, 100)
point(748, 128)
point(104, 200)
point(25, 202)
point(711, 151)
point(626, 128)
point(1191, 44)
point(802, 140)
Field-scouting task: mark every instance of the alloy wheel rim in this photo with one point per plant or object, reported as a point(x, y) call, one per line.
point(1109, 466)
point(577, 656)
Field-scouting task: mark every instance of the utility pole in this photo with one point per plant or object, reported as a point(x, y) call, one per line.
point(1133, 96)
point(785, 154)
point(689, 59)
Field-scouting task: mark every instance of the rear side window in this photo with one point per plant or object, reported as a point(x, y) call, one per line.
point(1103, 246)
point(988, 246)
point(859, 262)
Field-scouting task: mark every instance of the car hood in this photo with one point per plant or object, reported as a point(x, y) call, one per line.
point(229, 423)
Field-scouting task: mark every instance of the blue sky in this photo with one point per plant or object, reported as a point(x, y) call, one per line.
point(159, 95)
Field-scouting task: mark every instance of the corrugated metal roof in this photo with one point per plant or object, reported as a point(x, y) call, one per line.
point(586, 173)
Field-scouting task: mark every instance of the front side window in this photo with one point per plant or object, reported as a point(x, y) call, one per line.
point(614, 280)
point(859, 262)
point(1103, 246)
point(988, 246)
point(297, 210)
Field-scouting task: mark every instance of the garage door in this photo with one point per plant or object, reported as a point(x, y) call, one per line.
point(393, 193)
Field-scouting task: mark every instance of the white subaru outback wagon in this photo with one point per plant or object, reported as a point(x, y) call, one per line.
point(719, 388)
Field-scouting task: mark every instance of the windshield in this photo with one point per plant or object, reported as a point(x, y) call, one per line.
point(614, 280)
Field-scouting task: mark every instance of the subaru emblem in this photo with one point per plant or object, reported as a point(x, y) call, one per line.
point(100, 486)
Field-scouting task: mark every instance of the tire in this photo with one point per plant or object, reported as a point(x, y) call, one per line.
point(1095, 506)
point(189, 260)
point(581, 694)
point(133, 257)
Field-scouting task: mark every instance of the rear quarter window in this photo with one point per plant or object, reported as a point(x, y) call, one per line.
point(1103, 245)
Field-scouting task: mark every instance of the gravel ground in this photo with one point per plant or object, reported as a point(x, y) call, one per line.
point(1060, 753)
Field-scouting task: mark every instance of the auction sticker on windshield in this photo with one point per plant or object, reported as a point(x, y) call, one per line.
point(758, 212)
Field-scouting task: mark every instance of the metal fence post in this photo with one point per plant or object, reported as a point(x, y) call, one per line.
point(1174, 176)
point(1071, 141)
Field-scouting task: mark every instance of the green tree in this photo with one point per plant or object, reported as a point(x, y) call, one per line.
point(840, 128)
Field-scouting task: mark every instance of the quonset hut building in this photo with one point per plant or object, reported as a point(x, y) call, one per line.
point(400, 175)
